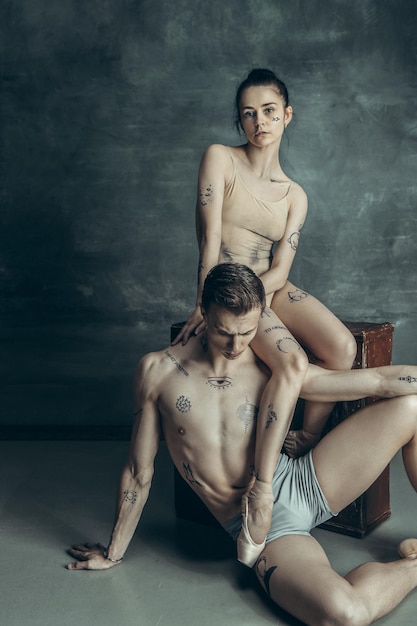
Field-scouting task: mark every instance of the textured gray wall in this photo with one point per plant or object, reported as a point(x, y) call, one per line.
point(106, 109)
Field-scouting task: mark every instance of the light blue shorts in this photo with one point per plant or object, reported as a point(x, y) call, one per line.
point(299, 503)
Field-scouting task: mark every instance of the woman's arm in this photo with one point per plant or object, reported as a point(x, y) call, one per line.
point(136, 477)
point(214, 171)
point(275, 278)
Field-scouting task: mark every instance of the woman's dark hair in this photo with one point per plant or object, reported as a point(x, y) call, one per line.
point(256, 78)
point(234, 287)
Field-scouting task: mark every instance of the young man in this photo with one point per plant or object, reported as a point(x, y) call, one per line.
point(204, 396)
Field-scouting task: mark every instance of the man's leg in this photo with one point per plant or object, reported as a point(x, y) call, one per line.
point(388, 381)
point(351, 456)
point(296, 574)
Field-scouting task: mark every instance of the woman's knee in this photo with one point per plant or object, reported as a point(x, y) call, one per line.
point(342, 353)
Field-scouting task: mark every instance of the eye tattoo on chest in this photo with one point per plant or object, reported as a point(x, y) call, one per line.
point(183, 404)
point(219, 383)
point(247, 414)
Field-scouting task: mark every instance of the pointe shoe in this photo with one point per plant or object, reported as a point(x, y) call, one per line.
point(247, 550)
point(408, 549)
point(299, 442)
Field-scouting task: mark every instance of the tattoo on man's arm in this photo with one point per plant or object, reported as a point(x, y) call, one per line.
point(408, 379)
point(272, 416)
point(130, 496)
point(206, 195)
point(286, 344)
point(268, 330)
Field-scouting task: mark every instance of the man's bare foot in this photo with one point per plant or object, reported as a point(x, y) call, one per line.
point(299, 442)
point(408, 549)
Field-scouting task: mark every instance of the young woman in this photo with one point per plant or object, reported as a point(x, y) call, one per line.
point(246, 204)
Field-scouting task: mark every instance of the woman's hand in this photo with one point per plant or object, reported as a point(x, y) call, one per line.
point(90, 556)
point(193, 326)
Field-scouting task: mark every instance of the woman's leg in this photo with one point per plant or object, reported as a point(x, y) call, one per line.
point(331, 345)
point(276, 347)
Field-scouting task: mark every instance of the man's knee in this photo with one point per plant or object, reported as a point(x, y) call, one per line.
point(341, 609)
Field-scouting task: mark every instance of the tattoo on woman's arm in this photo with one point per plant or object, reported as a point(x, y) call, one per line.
point(293, 239)
point(408, 379)
point(130, 496)
point(206, 195)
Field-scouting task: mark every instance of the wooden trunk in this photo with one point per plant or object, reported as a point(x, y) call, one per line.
point(374, 348)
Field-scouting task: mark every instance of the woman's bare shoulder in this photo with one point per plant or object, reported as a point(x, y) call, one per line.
point(296, 193)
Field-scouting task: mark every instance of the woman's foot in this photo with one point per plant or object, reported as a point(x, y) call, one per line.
point(256, 522)
point(299, 442)
point(408, 549)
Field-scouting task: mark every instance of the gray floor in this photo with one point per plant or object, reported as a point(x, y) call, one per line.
point(175, 573)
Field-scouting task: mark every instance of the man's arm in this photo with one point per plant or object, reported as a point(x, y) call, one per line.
point(136, 477)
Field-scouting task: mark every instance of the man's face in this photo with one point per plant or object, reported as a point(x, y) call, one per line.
point(229, 334)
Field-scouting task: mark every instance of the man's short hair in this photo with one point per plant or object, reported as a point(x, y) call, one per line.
point(234, 287)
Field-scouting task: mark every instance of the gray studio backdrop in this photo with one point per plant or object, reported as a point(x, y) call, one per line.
point(106, 108)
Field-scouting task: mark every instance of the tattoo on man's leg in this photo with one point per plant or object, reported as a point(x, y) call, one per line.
point(264, 573)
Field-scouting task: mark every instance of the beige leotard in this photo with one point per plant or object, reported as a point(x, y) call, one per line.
point(250, 225)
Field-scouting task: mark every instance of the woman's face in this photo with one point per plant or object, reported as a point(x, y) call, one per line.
point(263, 115)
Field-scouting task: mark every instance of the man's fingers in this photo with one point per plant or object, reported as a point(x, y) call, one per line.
point(78, 554)
point(78, 565)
